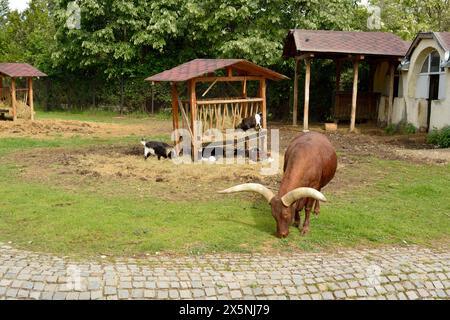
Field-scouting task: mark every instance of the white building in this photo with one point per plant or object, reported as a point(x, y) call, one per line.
point(424, 86)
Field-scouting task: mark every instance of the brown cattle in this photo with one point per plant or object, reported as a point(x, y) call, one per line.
point(310, 162)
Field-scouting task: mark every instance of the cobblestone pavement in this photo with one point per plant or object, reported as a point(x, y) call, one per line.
point(392, 273)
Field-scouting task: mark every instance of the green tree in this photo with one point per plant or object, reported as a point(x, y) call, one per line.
point(28, 36)
point(4, 10)
point(125, 39)
point(408, 17)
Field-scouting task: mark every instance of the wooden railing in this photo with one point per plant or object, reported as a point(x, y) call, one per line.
point(224, 113)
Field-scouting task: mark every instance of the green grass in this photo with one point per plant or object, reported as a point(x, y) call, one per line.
point(97, 116)
point(411, 205)
point(8, 145)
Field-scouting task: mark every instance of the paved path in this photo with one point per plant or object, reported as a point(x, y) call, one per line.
point(393, 273)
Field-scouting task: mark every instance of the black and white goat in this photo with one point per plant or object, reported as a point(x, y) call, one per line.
point(158, 149)
point(251, 122)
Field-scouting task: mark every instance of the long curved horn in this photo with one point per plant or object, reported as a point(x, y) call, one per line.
point(254, 187)
point(292, 196)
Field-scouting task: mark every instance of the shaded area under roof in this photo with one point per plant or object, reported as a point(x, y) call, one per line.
point(330, 43)
point(20, 70)
point(200, 67)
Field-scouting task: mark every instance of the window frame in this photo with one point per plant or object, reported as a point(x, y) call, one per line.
point(428, 59)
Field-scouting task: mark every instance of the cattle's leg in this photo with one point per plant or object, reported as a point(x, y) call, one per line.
point(298, 207)
point(317, 208)
point(308, 207)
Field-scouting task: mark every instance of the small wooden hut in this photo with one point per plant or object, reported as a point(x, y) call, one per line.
point(380, 50)
point(215, 112)
point(11, 96)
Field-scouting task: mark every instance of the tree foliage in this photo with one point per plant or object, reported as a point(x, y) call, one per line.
point(119, 42)
point(28, 36)
point(408, 17)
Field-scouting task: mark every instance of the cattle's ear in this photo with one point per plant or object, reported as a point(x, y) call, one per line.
point(143, 142)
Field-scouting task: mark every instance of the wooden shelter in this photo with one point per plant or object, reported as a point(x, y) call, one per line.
point(215, 112)
point(9, 94)
point(375, 48)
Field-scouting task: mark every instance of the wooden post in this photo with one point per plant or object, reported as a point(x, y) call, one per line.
point(391, 91)
point(372, 69)
point(229, 72)
point(306, 105)
point(338, 63)
point(13, 98)
point(30, 97)
point(193, 103)
point(355, 94)
point(153, 97)
point(295, 106)
point(174, 108)
point(338, 74)
point(1, 87)
point(262, 95)
point(244, 88)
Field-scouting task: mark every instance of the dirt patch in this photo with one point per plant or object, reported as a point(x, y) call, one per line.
point(433, 155)
point(66, 128)
point(125, 166)
point(411, 148)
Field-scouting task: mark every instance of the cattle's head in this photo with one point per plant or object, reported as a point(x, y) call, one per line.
point(281, 206)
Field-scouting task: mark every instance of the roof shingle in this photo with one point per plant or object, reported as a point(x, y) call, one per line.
point(20, 70)
point(444, 40)
point(199, 67)
point(346, 42)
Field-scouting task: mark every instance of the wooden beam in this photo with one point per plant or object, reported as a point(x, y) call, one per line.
point(355, 95)
point(295, 105)
point(1, 87)
point(229, 79)
point(306, 105)
point(30, 97)
point(262, 94)
point(209, 88)
point(13, 98)
point(217, 101)
point(357, 57)
point(391, 91)
point(305, 56)
point(193, 104)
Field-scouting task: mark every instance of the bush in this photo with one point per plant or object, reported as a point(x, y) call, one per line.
point(390, 129)
point(409, 128)
point(440, 138)
point(402, 128)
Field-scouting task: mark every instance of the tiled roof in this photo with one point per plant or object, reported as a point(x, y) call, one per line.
point(200, 67)
point(344, 42)
point(444, 40)
point(20, 70)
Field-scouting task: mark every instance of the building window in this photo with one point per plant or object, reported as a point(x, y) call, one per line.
point(431, 76)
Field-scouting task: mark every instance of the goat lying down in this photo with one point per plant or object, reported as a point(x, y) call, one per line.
point(251, 122)
point(157, 149)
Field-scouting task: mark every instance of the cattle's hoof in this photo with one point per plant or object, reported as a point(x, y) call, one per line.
point(304, 231)
point(296, 224)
